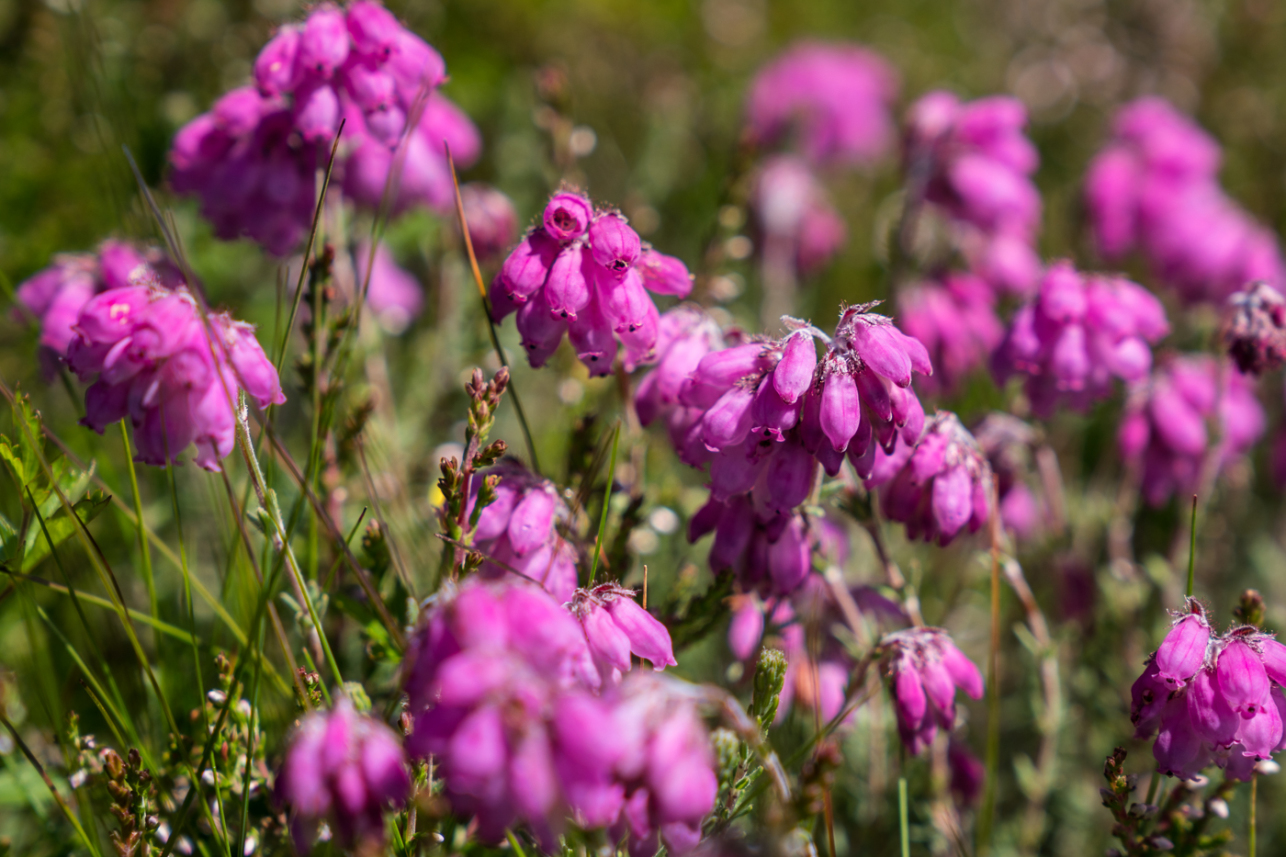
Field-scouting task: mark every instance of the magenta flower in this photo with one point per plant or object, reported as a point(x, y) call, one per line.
point(975, 165)
point(616, 627)
point(393, 294)
point(253, 158)
point(1155, 187)
point(832, 100)
point(584, 274)
point(955, 318)
point(345, 769)
point(493, 223)
point(172, 370)
point(1078, 334)
point(967, 774)
point(1164, 432)
point(798, 224)
point(1006, 441)
point(685, 334)
point(924, 670)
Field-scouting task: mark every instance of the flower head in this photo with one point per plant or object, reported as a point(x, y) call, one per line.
point(924, 669)
point(955, 318)
point(798, 223)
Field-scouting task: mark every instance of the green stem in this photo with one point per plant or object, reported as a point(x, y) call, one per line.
point(1152, 787)
point(607, 502)
point(986, 815)
point(1254, 789)
point(1192, 545)
point(145, 552)
point(904, 826)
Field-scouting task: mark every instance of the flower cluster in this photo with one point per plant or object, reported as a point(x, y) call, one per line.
point(172, 370)
point(253, 158)
point(1216, 699)
point(924, 670)
point(518, 530)
point(834, 98)
point(941, 486)
point(1155, 187)
point(1164, 429)
point(763, 413)
point(955, 317)
point(1076, 335)
point(974, 164)
point(500, 683)
point(800, 228)
point(1007, 441)
point(54, 296)
point(685, 335)
point(616, 627)
point(585, 274)
point(1255, 330)
point(345, 769)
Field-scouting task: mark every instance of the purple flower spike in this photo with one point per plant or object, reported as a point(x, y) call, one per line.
point(567, 216)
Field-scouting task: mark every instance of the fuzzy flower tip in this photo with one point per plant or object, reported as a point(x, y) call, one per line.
point(253, 157)
point(975, 165)
point(345, 769)
point(174, 372)
point(1211, 698)
point(924, 669)
point(1077, 336)
point(585, 274)
point(835, 98)
point(1164, 429)
point(1155, 188)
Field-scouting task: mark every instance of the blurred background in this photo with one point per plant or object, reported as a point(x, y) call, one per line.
point(641, 104)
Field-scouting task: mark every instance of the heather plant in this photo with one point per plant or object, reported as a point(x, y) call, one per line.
point(844, 502)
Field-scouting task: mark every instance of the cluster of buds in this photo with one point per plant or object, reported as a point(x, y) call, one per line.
point(832, 100)
point(975, 165)
point(344, 769)
point(799, 227)
point(1164, 431)
point(253, 158)
point(53, 297)
point(1255, 330)
point(1216, 699)
point(955, 317)
point(1078, 334)
point(1155, 187)
point(941, 486)
point(501, 684)
point(617, 627)
point(585, 274)
point(173, 370)
point(924, 670)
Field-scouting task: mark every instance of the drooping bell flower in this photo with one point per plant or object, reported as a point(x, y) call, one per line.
point(924, 669)
point(955, 318)
point(832, 100)
point(344, 769)
point(393, 294)
point(617, 627)
point(1007, 442)
point(1184, 649)
point(1077, 336)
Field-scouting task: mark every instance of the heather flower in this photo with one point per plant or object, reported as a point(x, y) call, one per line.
point(252, 159)
point(1155, 187)
point(1255, 330)
point(1163, 431)
point(1006, 441)
point(943, 487)
point(616, 627)
point(967, 774)
point(54, 297)
point(685, 334)
point(493, 223)
point(584, 274)
point(797, 221)
point(345, 769)
point(955, 318)
point(518, 530)
point(1078, 334)
point(831, 100)
point(393, 294)
point(924, 670)
point(173, 371)
point(975, 164)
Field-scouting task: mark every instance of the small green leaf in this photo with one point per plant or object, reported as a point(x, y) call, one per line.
point(61, 527)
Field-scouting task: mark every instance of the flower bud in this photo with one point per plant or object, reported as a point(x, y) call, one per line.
point(567, 216)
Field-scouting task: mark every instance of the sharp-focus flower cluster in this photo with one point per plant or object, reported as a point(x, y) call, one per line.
point(499, 680)
point(616, 627)
point(1155, 187)
point(1216, 699)
point(955, 317)
point(834, 99)
point(940, 487)
point(174, 373)
point(253, 158)
point(975, 164)
point(344, 769)
point(1078, 334)
point(1007, 442)
point(1255, 330)
point(518, 529)
point(763, 413)
point(54, 297)
point(800, 229)
point(924, 670)
point(1164, 431)
point(585, 274)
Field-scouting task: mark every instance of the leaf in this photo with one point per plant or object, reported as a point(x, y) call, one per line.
point(8, 540)
point(60, 527)
point(26, 426)
point(72, 481)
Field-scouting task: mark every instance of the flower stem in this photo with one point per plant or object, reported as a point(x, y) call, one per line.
point(145, 551)
point(1254, 790)
point(1192, 545)
point(904, 826)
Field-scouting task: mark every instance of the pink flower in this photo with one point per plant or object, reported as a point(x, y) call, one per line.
point(1255, 329)
point(393, 294)
point(924, 670)
point(955, 318)
point(493, 223)
point(616, 627)
point(797, 221)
